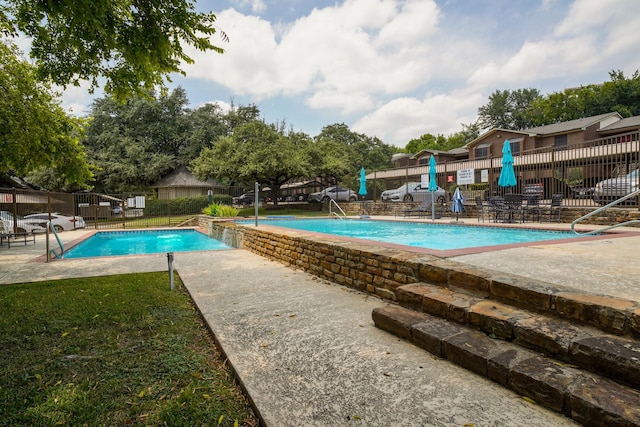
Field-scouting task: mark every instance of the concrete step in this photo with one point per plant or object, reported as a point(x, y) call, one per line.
point(584, 396)
point(616, 357)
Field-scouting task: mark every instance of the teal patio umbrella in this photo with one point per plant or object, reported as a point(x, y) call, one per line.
point(433, 186)
point(507, 174)
point(363, 183)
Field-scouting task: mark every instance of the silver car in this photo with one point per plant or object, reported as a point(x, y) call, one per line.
point(339, 194)
point(612, 189)
point(413, 192)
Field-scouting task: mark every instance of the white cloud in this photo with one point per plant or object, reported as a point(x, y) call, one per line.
point(403, 119)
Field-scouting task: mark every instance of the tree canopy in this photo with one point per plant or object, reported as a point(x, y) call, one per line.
point(36, 133)
point(134, 45)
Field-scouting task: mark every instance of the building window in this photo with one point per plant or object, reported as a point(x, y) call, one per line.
point(560, 142)
point(423, 161)
point(482, 150)
point(515, 146)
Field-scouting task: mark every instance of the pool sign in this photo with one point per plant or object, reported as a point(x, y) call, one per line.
point(424, 180)
point(466, 176)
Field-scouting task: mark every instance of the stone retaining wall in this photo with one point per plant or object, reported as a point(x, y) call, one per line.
point(381, 271)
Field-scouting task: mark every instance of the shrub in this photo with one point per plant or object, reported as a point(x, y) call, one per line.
point(216, 209)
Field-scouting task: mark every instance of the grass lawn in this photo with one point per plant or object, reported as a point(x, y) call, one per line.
point(115, 350)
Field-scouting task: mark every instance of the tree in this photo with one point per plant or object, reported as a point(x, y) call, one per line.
point(36, 133)
point(346, 152)
point(134, 45)
point(256, 152)
point(136, 143)
point(507, 109)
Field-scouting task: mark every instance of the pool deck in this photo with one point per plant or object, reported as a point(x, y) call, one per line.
point(307, 351)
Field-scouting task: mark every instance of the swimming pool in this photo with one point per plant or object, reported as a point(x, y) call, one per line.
point(142, 242)
point(421, 234)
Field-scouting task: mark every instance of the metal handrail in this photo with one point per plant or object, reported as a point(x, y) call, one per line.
point(331, 201)
point(52, 250)
point(600, 209)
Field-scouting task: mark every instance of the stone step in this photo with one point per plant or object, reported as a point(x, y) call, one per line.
point(615, 357)
point(584, 396)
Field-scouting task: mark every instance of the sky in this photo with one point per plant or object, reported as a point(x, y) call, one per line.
point(398, 69)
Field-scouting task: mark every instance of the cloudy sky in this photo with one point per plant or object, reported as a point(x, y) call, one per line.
point(398, 69)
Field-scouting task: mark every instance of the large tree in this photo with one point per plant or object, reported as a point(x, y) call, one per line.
point(256, 152)
point(35, 132)
point(507, 109)
point(133, 44)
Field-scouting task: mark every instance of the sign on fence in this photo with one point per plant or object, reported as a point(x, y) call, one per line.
point(466, 176)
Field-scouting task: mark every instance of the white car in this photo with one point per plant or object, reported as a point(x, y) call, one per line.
point(23, 224)
point(339, 194)
point(413, 192)
point(59, 221)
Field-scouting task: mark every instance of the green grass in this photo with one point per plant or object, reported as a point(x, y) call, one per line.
point(114, 350)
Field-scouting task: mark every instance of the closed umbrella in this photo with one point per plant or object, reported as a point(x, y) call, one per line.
point(363, 189)
point(363, 183)
point(457, 202)
point(433, 187)
point(507, 174)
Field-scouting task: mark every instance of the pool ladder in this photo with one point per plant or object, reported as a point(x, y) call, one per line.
point(331, 212)
point(52, 251)
point(605, 207)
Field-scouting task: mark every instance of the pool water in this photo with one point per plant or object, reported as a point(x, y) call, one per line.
point(116, 243)
point(422, 234)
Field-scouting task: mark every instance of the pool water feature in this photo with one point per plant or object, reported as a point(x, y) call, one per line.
point(422, 234)
point(143, 242)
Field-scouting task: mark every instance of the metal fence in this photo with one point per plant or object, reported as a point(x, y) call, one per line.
point(104, 211)
point(586, 174)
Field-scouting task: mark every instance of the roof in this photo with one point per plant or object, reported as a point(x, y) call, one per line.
point(626, 124)
point(490, 132)
point(181, 177)
point(571, 125)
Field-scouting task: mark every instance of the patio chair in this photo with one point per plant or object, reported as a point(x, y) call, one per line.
point(480, 208)
point(533, 208)
point(6, 233)
point(424, 209)
point(553, 210)
point(513, 208)
point(496, 208)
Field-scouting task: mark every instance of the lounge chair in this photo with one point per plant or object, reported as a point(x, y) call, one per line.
point(6, 233)
point(424, 209)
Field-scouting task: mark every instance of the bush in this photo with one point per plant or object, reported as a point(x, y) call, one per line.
point(216, 209)
point(181, 206)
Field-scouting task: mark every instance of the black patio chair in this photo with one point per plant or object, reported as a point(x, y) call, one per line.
point(513, 209)
point(553, 211)
point(496, 209)
point(533, 208)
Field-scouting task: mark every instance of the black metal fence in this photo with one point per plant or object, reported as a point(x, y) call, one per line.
point(587, 174)
point(103, 211)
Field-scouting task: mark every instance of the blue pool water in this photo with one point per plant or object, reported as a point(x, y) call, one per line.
point(421, 234)
point(113, 243)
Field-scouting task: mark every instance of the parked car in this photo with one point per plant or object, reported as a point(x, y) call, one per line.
point(247, 198)
point(392, 195)
point(612, 189)
point(415, 192)
point(23, 225)
point(339, 194)
point(59, 221)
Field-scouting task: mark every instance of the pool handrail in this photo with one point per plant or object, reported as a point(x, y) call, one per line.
point(331, 201)
point(602, 208)
point(52, 250)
